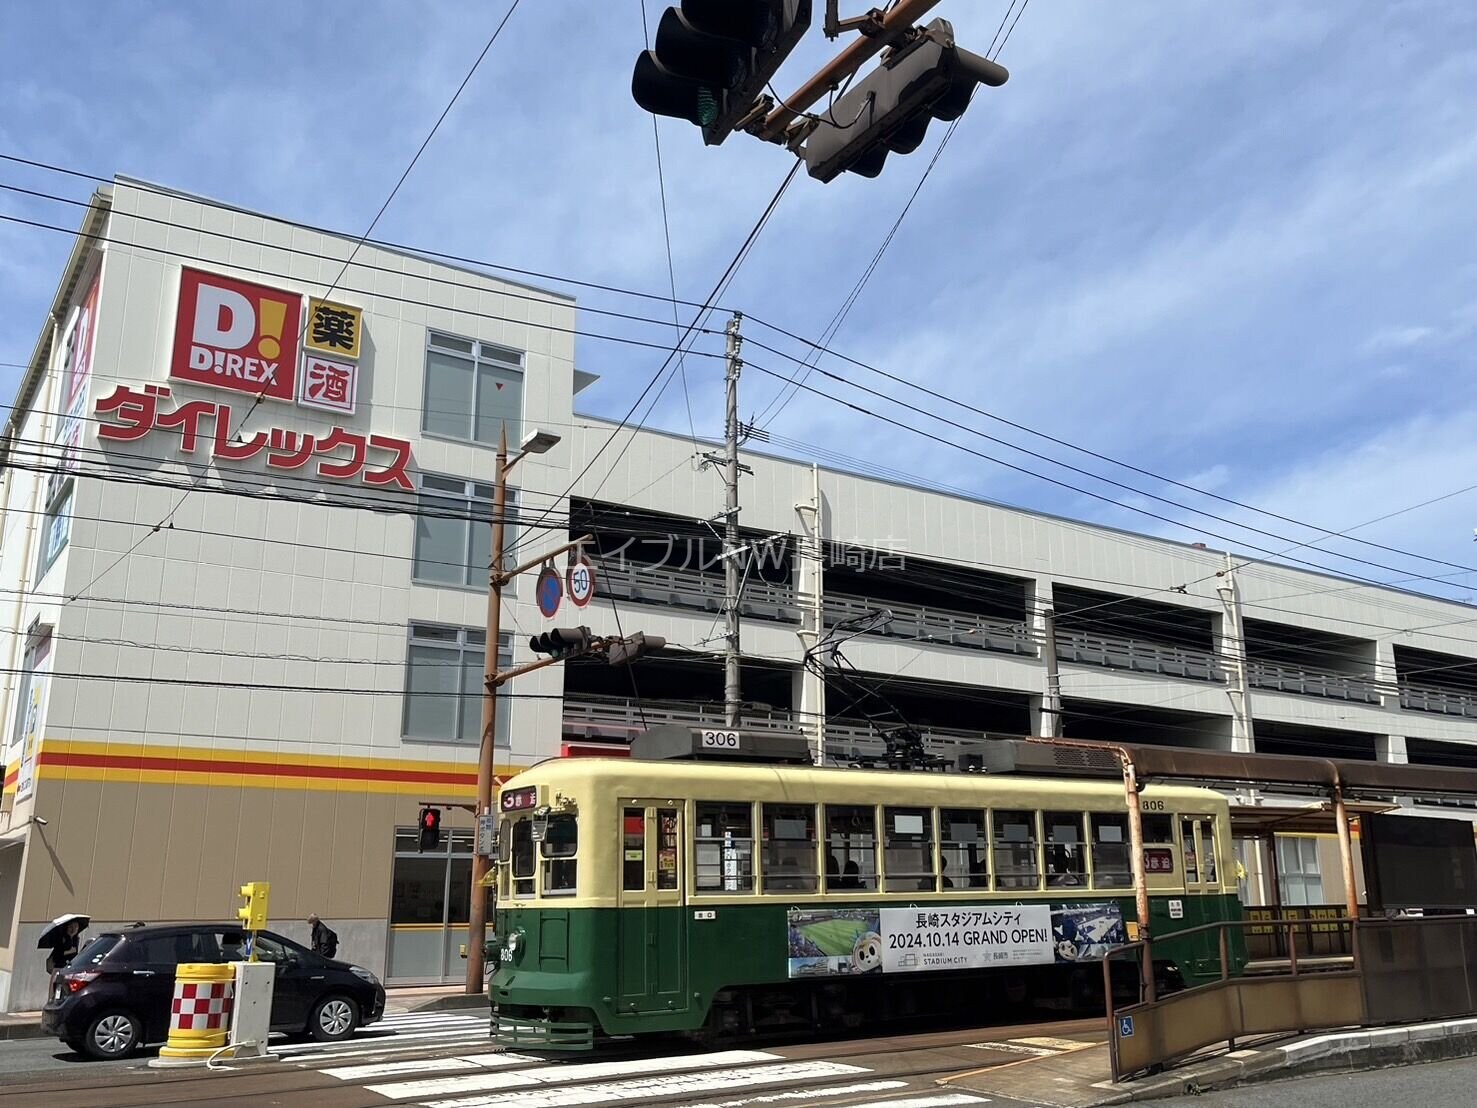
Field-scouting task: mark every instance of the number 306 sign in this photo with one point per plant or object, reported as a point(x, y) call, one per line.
point(719, 740)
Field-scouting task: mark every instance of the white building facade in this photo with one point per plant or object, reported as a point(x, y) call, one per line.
point(243, 562)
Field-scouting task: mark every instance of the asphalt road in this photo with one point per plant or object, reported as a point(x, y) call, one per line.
point(1432, 1085)
point(52, 1056)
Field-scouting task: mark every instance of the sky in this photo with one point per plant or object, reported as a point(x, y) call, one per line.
point(1230, 245)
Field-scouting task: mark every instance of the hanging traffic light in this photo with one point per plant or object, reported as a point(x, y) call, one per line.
point(625, 651)
point(712, 58)
point(890, 110)
point(562, 642)
point(430, 825)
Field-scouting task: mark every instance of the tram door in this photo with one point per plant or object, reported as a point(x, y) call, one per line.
point(652, 969)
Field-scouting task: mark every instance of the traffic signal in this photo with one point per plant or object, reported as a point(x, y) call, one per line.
point(626, 651)
point(889, 112)
point(712, 58)
point(253, 914)
point(562, 642)
point(430, 825)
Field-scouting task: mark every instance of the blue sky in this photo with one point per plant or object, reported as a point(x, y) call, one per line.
point(1230, 244)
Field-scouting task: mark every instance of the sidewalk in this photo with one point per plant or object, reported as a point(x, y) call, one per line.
point(20, 1025)
point(1080, 1078)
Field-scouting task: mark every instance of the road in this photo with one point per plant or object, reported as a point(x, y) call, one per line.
point(1432, 1085)
point(445, 1060)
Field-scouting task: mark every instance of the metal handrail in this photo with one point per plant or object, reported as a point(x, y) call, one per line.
point(1435, 699)
point(701, 591)
point(1136, 654)
point(1311, 682)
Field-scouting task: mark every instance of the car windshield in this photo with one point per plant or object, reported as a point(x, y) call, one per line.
point(95, 951)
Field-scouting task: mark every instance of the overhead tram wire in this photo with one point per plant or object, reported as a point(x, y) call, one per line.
point(347, 261)
point(385, 244)
point(782, 398)
point(718, 288)
point(1087, 473)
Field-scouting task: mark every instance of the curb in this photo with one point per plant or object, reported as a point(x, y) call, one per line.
point(457, 1001)
point(21, 1029)
point(1341, 1051)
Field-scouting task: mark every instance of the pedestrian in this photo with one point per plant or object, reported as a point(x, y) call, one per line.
point(325, 940)
point(64, 945)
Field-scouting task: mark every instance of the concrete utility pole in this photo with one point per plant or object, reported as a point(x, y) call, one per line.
point(1051, 702)
point(1233, 652)
point(732, 693)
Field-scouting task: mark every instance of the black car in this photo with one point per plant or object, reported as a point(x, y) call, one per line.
point(115, 995)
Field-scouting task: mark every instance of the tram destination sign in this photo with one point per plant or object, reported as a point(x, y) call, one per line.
point(831, 942)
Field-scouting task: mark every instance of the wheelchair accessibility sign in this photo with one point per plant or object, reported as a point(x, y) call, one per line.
point(1125, 1027)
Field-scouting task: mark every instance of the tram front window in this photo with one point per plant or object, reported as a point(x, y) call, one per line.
point(523, 858)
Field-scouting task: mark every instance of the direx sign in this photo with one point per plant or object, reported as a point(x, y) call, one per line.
point(237, 335)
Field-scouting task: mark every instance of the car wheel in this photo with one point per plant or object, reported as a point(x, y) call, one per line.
point(334, 1018)
point(112, 1035)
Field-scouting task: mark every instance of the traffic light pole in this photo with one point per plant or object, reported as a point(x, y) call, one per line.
point(493, 678)
point(732, 693)
point(842, 66)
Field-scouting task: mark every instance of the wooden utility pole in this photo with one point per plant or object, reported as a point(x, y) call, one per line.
point(732, 582)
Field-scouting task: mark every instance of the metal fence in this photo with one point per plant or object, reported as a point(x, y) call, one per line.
point(1137, 655)
point(938, 625)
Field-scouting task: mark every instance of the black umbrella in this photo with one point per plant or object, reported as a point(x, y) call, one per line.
point(48, 937)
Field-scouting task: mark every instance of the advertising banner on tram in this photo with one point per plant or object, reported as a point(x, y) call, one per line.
point(828, 942)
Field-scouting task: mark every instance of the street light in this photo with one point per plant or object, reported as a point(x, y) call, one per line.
point(537, 442)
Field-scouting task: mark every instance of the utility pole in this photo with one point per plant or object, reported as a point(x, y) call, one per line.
point(536, 442)
point(1233, 652)
point(1051, 702)
point(732, 693)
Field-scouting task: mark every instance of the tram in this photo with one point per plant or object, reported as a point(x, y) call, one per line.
point(644, 897)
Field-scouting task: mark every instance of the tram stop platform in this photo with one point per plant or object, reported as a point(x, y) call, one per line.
point(1077, 1075)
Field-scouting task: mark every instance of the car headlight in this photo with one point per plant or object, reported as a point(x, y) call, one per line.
point(360, 971)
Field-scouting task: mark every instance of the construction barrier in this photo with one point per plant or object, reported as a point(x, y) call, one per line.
point(200, 1015)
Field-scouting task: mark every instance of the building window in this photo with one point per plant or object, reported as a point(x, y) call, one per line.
point(473, 390)
point(443, 684)
point(1299, 878)
point(56, 526)
point(453, 535)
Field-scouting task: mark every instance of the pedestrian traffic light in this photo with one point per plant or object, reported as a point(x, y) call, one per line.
point(890, 110)
point(712, 58)
point(626, 651)
point(562, 642)
point(253, 913)
point(430, 825)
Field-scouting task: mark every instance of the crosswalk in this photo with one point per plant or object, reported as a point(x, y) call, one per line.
point(446, 1060)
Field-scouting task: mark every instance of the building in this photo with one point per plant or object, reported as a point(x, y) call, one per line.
point(244, 606)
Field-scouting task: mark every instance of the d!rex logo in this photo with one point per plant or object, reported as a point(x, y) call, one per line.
point(236, 335)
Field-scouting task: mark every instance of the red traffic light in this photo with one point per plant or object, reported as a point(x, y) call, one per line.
point(430, 828)
point(431, 818)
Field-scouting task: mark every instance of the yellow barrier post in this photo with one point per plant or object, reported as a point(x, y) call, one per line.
point(200, 1015)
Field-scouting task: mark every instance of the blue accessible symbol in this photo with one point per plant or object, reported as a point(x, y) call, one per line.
point(1125, 1027)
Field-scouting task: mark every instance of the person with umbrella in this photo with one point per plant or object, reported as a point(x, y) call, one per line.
point(63, 937)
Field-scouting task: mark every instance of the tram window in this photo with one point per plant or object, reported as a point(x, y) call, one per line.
point(1207, 846)
point(1016, 864)
point(789, 848)
point(633, 849)
point(561, 843)
point(909, 847)
point(523, 858)
point(1157, 829)
point(1192, 862)
point(1111, 865)
point(851, 846)
point(666, 849)
point(1066, 858)
point(725, 847)
point(964, 849)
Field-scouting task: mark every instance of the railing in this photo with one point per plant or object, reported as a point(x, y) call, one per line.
point(1137, 655)
point(1143, 1036)
point(1320, 934)
point(697, 591)
point(620, 717)
point(1307, 682)
point(938, 625)
point(1426, 698)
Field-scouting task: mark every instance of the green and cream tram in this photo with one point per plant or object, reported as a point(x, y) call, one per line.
point(648, 896)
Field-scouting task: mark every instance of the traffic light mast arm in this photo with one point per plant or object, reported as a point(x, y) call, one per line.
point(541, 559)
point(842, 66)
point(503, 676)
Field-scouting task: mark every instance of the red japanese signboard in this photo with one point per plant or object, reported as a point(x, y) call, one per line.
point(341, 454)
point(236, 335)
point(1158, 859)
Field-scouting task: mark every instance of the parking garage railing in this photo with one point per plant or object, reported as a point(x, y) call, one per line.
point(1428, 698)
point(697, 591)
point(1310, 682)
point(1137, 655)
point(938, 625)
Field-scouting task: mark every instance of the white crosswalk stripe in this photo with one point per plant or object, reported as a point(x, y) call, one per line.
point(398, 1032)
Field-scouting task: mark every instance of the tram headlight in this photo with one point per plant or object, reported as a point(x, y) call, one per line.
point(513, 945)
